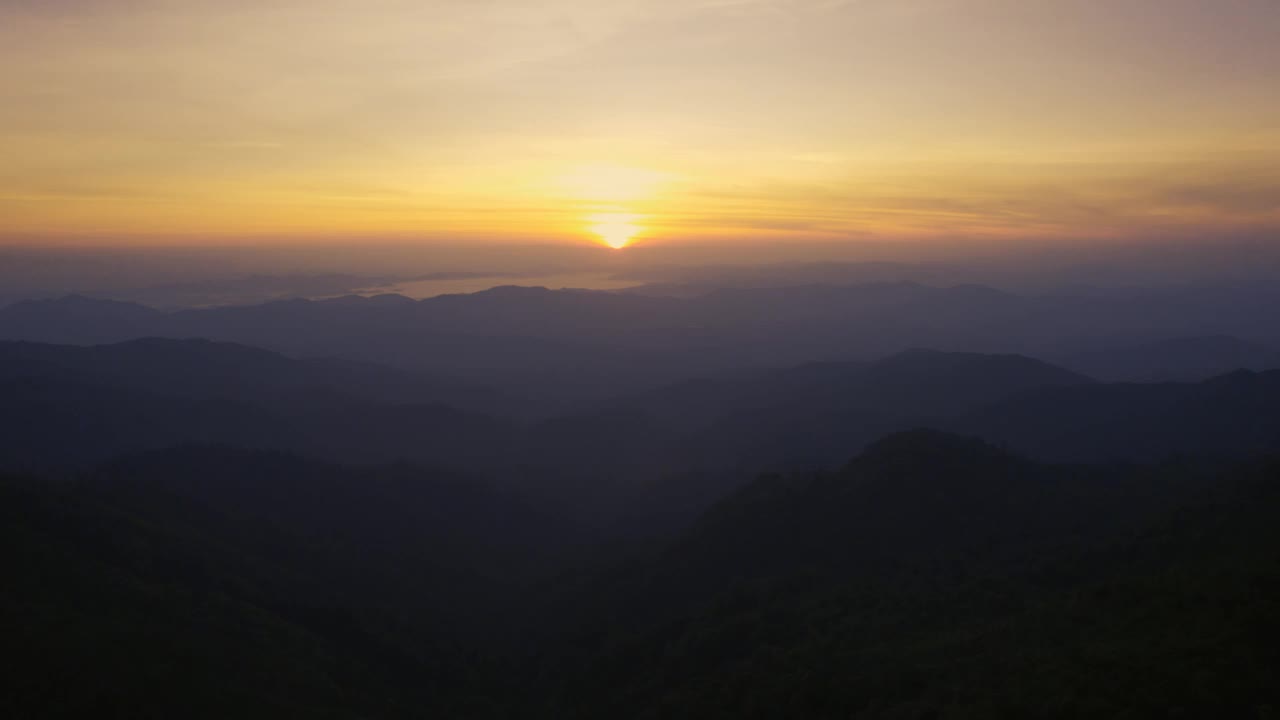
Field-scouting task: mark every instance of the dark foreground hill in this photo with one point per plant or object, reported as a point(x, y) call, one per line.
point(213, 583)
point(938, 577)
point(933, 576)
point(1237, 414)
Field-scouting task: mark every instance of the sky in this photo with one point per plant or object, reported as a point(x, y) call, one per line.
point(598, 122)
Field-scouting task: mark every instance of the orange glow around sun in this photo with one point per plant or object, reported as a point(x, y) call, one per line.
point(189, 123)
point(615, 229)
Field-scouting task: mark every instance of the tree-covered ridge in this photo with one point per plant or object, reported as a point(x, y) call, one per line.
point(222, 583)
point(932, 576)
point(921, 581)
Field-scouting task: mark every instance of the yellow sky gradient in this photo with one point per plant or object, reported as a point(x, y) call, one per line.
point(151, 121)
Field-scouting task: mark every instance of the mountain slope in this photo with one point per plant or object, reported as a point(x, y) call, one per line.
point(1188, 359)
point(921, 496)
point(76, 319)
point(71, 405)
point(1236, 414)
point(911, 383)
point(900, 586)
point(202, 368)
point(213, 583)
point(811, 415)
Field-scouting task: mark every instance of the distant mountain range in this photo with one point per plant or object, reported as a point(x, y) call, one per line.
point(207, 529)
point(876, 501)
point(569, 349)
point(209, 369)
point(1175, 359)
point(69, 406)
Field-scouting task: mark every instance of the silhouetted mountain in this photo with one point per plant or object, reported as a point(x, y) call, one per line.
point(215, 583)
point(655, 459)
point(901, 585)
point(808, 417)
point(915, 382)
point(210, 582)
point(384, 300)
point(443, 519)
point(105, 615)
point(51, 423)
point(812, 414)
point(1178, 359)
point(78, 320)
point(205, 369)
point(914, 499)
point(1237, 414)
point(574, 348)
point(909, 383)
point(67, 405)
point(660, 457)
point(71, 405)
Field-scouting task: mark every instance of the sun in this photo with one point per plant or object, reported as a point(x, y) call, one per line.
point(617, 230)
